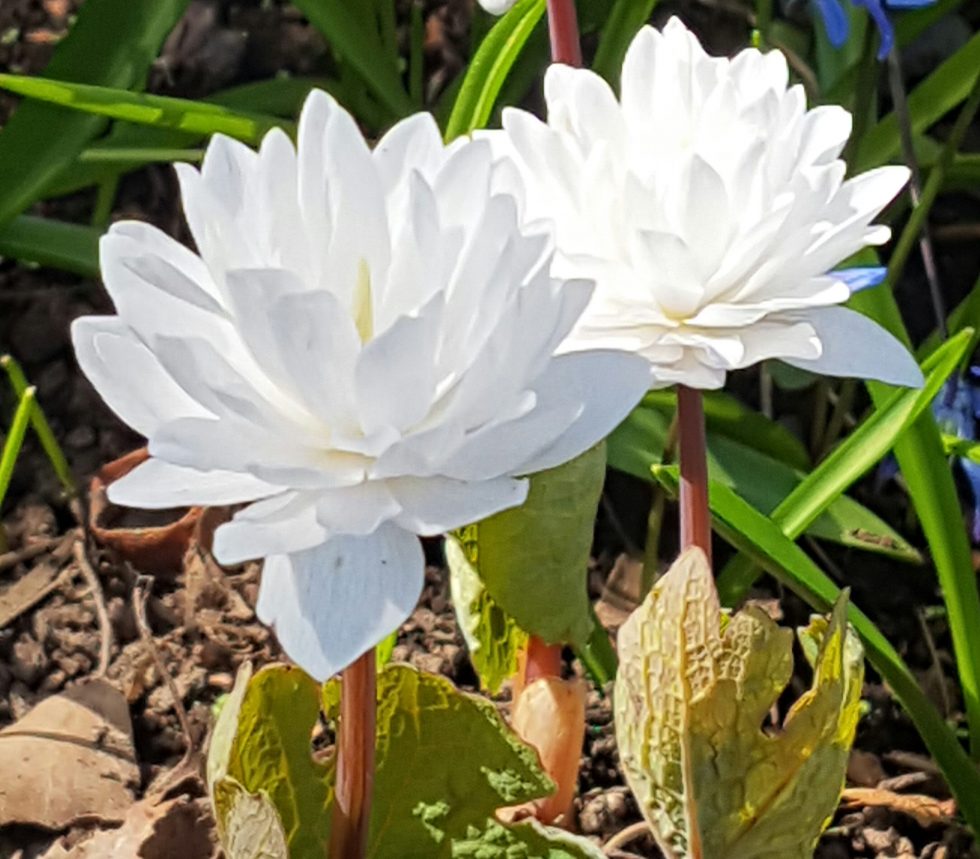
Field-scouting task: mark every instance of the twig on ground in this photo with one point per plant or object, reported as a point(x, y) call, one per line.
point(140, 594)
point(27, 553)
point(625, 836)
point(95, 588)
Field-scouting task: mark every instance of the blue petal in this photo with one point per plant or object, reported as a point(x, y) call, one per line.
point(834, 20)
point(972, 471)
point(863, 277)
point(909, 4)
point(876, 10)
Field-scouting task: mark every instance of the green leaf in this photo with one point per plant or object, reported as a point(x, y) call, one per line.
point(112, 43)
point(754, 534)
point(638, 443)
point(178, 114)
point(623, 23)
point(445, 763)
point(725, 415)
point(929, 479)
point(361, 47)
point(526, 555)
point(261, 746)
point(938, 94)
point(490, 66)
point(493, 638)
point(693, 691)
point(69, 247)
point(862, 449)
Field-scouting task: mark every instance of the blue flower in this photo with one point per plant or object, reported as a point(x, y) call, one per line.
point(956, 410)
point(836, 23)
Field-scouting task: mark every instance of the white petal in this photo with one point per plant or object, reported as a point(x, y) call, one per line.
point(414, 143)
point(395, 375)
point(128, 375)
point(330, 604)
point(274, 526)
point(157, 485)
point(854, 346)
point(434, 505)
point(356, 510)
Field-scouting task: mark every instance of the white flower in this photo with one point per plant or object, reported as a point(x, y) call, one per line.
point(717, 203)
point(497, 7)
point(361, 350)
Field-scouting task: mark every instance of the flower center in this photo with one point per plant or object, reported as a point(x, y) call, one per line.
point(363, 305)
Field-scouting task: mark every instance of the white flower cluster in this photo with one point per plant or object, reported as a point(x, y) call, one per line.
point(369, 346)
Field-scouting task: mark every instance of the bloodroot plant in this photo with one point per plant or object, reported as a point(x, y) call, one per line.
point(362, 351)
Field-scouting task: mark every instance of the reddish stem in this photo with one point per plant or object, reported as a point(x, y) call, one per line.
point(695, 518)
point(355, 759)
point(566, 45)
point(543, 660)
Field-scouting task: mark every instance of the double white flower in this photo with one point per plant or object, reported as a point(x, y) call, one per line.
point(710, 206)
point(362, 350)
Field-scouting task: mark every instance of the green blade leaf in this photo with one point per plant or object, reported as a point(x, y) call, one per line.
point(725, 415)
point(764, 481)
point(362, 48)
point(69, 247)
point(756, 535)
point(862, 449)
point(178, 114)
point(490, 66)
point(929, 479)
point(112, 43)
point(692, 694)
point(938, 94)
point(624, 21)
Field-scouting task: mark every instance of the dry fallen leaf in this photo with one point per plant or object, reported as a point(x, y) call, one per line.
point(925, 810)
point(155, 549)
point(69, 759)
point(150, 830)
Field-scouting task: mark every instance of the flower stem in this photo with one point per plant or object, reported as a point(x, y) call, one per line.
point(355, 759)
point(695, 519)
point(563, 26)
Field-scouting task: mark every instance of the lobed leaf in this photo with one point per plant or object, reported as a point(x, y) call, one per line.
point(445, 763)
point(693, 692)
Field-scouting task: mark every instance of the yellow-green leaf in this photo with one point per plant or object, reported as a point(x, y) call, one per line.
point(445, 763)
point(493, 638)
point(694, 689)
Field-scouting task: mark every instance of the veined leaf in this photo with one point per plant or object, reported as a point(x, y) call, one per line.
point(111, 43)
point(445, 763)
point(490, 66)
point(756, 535)
point(178, 114)
point(862, 449)
point(693, 691)
point(493, 638)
